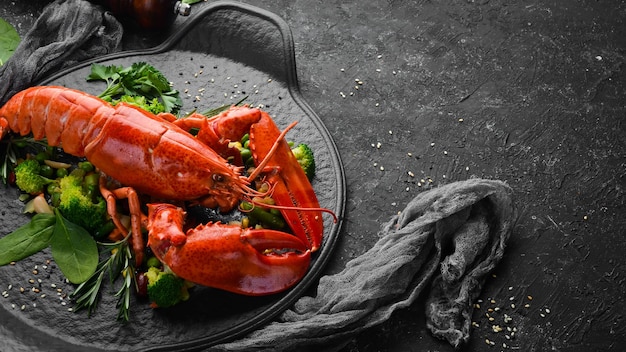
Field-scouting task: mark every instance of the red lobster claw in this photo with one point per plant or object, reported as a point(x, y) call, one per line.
point(244, 261)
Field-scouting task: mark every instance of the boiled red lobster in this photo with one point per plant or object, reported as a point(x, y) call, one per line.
point(156, 155)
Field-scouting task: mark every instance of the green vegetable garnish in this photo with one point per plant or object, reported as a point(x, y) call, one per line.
point(28, 177)
point(118, 263)
point(79, 203)
point(139, 79)
point(304, 155)
point(165, 289)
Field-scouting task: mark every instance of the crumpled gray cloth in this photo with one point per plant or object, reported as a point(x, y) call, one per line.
point(67, 32)
point(446, 241)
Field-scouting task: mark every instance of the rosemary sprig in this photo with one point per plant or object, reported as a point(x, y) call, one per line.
point(87, 294)
point(9, 159)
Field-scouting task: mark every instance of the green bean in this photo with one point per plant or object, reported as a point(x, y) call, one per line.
point(86, 165)
point(46, 171)
point(41, 156)
point(245, 154)
point(62, 172)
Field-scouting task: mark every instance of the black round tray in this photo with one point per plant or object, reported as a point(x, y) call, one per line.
point(225, 52)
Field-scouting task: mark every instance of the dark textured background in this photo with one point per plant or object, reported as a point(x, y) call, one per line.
point(530, 92)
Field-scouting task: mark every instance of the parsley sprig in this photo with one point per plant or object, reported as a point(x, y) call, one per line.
point(139, 79)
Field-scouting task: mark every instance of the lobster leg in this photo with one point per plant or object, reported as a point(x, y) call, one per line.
point(136, 216)
point(244, 261)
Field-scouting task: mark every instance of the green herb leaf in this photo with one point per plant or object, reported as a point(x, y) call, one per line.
point(9, 40)
point(87, 294)
point(103, 73)
point(139, 79)
point(74, 250)
point(28, 239)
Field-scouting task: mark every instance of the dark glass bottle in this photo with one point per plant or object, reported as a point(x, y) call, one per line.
point(148, 14)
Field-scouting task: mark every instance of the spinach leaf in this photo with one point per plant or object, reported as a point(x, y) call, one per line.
point(28, 239)
point(9, 39)
point(73, 250)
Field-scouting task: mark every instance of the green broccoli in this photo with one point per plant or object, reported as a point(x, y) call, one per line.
point(165, 289)
point(154, 105)
point(28, 177)
point(304, 155)
point(79, 204)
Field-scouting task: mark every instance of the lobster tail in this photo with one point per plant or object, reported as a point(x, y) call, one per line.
point(66, 117)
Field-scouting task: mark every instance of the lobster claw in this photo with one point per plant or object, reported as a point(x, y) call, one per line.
point(291, 187)
point(244, 261)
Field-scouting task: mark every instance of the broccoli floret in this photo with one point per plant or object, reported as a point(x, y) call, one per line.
point(165, 289)
point(80, 205)
point(154, 105)
point(28, 177)
point(304, 155)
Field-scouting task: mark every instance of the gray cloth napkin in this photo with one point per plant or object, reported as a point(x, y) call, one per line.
point(67, 32)
point(445, 241)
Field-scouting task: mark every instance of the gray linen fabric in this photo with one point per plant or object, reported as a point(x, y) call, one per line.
point(446, 241)
point(67, 32)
